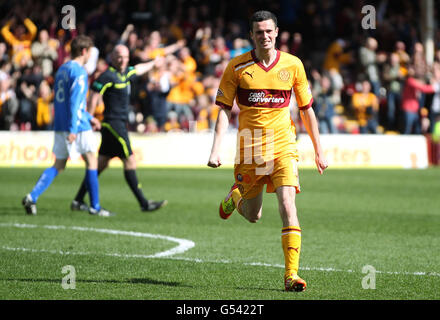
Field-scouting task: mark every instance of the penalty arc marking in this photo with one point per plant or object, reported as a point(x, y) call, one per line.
point(183, 244)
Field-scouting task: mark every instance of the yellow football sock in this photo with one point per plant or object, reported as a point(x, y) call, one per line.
point(236, 197)
point(291, 241)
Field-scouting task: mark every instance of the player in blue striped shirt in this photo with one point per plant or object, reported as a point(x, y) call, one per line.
point(73, 128)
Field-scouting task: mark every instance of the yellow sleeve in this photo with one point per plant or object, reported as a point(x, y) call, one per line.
point(227, 89)
point(301, 87)
point(7, 34)
point(32, 28)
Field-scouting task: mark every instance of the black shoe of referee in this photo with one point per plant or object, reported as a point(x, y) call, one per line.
point(154, 205)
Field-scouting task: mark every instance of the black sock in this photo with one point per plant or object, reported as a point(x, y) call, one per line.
point(130, 177)
point(83, 190)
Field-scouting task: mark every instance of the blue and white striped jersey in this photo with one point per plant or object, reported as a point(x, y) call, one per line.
point(71, 98)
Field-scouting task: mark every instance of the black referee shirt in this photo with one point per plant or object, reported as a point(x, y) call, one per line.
point(115, 89)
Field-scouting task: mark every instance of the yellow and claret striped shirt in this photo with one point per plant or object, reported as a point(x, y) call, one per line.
point(263, 95)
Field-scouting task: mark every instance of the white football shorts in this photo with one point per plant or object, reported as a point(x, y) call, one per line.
point(85, 142)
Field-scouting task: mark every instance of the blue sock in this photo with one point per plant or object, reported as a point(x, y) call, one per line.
point(43, 182)
point(92, 186)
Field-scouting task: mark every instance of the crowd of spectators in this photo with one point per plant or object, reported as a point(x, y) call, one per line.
point(363, 80)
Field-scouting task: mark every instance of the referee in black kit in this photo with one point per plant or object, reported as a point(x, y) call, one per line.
point(114, 86)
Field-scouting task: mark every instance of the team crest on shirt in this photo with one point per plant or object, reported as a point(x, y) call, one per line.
point(284, 75)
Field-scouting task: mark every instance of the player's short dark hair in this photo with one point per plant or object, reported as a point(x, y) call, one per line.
point(78, 44)
point(262, 15)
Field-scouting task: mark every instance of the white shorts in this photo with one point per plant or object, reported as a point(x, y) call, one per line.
point(85, 142)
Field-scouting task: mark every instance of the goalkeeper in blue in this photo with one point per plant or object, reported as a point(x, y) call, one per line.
point(73, 127)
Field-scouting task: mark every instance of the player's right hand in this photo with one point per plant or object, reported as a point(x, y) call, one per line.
point(71, 137)
point(214, 161)
point(96, 124)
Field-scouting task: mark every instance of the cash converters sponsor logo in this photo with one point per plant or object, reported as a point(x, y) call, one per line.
point(262, 98)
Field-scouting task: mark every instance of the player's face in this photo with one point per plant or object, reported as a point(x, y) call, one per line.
point(87, 54)
point(120, 59)
point(264, 34)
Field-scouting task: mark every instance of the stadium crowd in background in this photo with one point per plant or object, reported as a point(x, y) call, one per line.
point(363, 80)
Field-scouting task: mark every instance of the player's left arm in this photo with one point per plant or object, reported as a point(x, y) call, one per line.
point(304, 100)
point(93, 101)
point(311, 124)
point(98, 89)
point(91, 107)
point(96, 124)
point(76, 101)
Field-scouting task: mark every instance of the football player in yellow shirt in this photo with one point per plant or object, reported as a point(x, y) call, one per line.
point(261, 83)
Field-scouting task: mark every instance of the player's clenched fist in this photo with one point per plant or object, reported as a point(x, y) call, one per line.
point(214, 161)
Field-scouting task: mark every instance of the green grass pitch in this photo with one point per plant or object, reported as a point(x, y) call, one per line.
point(387, 219)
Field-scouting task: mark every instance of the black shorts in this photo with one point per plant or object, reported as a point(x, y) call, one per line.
point(115, 141)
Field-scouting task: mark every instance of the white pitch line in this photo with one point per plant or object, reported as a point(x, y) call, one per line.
point(184, 245)
point(324, 269)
